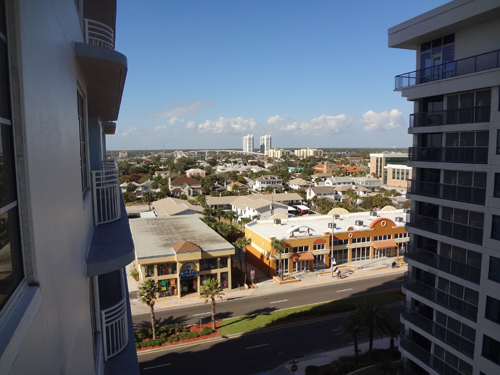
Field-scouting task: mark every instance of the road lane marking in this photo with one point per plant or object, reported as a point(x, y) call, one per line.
point(258, 346)
point(202, 314)
point(283, 300)
point(344, 290)
point(149, 368)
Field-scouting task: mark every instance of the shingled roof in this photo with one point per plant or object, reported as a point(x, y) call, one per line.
point(185, 247)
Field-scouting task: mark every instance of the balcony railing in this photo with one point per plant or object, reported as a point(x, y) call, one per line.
point(423, 355)
point(447, 228)
point(473, 64)
point(472, 155)
point(452, 303)
point(115, 326)
point(106, 193)
point(450, 117)
point(448, 265)
point(99, 34)
point(437, 330)
point(458, 193)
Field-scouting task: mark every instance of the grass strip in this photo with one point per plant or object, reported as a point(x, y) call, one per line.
point(265, 318)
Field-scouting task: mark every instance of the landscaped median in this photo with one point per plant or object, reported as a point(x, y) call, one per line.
point(176, 333)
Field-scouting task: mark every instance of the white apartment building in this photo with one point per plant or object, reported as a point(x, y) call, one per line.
point(64, 305)
point(452, 312)
point(305, 152)
point(248, 143)
point(265, 143)
point(277, 153)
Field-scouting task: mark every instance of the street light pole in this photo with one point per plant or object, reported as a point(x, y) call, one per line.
point(331, 245)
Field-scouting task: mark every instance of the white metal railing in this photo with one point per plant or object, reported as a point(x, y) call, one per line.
point(115, 326)
point(106, 193)
point(99, 34)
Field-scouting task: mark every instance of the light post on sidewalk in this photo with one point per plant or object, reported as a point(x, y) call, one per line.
point(332, 259)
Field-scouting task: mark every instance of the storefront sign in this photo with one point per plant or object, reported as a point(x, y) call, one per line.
point(188, 273)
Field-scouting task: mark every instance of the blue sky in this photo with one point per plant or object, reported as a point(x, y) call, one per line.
point(202, 74)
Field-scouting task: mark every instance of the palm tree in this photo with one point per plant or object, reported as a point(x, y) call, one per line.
point(147, 294)
point(210, 290)
point(351, 196)
point(352, 326)
point(279, 247)
point(230, 215)
point(241, 244)
point(372, 318)
point(218, 212)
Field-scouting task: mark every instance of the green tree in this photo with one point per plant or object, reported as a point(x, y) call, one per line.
point(230, 215)
point(210, 290)
point(279, 247)
point(373, 318)
point(352, 326)
point(241, 244)
point(147, 197)
point(148, 291)
point(218, 213)
point(352, 197)
point(131, 188)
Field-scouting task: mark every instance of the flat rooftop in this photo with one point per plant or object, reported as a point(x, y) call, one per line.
point(319, 223)
point(155, 237)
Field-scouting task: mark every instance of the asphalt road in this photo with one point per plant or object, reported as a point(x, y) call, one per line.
point(251, 352)
point(274, 301)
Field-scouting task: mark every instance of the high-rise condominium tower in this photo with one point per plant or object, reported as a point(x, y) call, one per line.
point(265, 143)
point(452, 313)
point(248, 143)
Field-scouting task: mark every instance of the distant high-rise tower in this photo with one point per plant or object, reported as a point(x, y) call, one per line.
point(265, 143)
point(248, 143)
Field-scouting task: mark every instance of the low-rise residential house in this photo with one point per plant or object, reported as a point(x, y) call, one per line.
point(322, 178)
point(162, 174)
point(145, 187)
point(173, 207)
point(195, 172)
point(350, 170)
point(223, 203)
point(355, 159)
point(237, 186)
point(320, 192)
point(309, 245)
point(361, 191)
point(261, 183)
point(179, 254)
point(122, 154)
point(299, 183)
point(339, 181)
point(123, 187)
point(249, 207)
point(184, 185)
point(371, 183)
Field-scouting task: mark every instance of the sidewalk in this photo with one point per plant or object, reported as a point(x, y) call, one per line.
point(372, 269)
point(324, 358)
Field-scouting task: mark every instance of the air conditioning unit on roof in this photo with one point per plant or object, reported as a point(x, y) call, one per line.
point(332, 225)
point(373, 213)
point(336, 217)
point(358, 223)
point(277, 221)
point(399, 219)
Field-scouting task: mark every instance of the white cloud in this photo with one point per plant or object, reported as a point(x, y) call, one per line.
point(129, 131)
point(191, 125)
point(227, 125)
point(383, 120)
point(316, 126)
point(175, 120)
point(194, 107)
point(159, 129)
point(282, 123)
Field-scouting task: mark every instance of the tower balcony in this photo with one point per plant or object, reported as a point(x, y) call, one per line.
point(467, 194)
point(450, 117)
point(470, 155)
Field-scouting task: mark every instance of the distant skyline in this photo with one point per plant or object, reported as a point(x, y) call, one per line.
point(202, 74)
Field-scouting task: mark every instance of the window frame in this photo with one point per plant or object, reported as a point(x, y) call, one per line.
point(83, 141)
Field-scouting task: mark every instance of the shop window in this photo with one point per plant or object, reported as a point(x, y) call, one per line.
point(167, 288)
point(208, 264)
point(223, 262)
point(491, 349)
point(204, 278)
point(150, 270)
point(300, 249)
point(166, 269)
point(224, 280)
point(494, 269)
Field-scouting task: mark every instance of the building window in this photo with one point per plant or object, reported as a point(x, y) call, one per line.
point(496, 189)
point(491, 349)
point(495, 227)
point(340, 242)
point(492, 309)
point(300, 249)
point(208, 264)
point(494, 269)
point(360, 253)
point(361, 239)
point(11, 262)
point(223, 262)
point(319, 246)
point(382, 238)
point(84, 166)
point(498, 141)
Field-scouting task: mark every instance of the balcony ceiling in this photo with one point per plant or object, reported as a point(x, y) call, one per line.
point(104, 71)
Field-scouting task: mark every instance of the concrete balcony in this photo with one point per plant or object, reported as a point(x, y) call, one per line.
point(450, 117)
point(106, 193)
point(467, 194)
point(470, 155)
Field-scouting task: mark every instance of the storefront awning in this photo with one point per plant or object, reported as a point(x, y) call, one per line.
point(299, 257)
point(386, 244)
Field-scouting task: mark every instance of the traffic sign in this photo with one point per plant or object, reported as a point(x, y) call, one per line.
point(294, 368)
point(252, 272)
